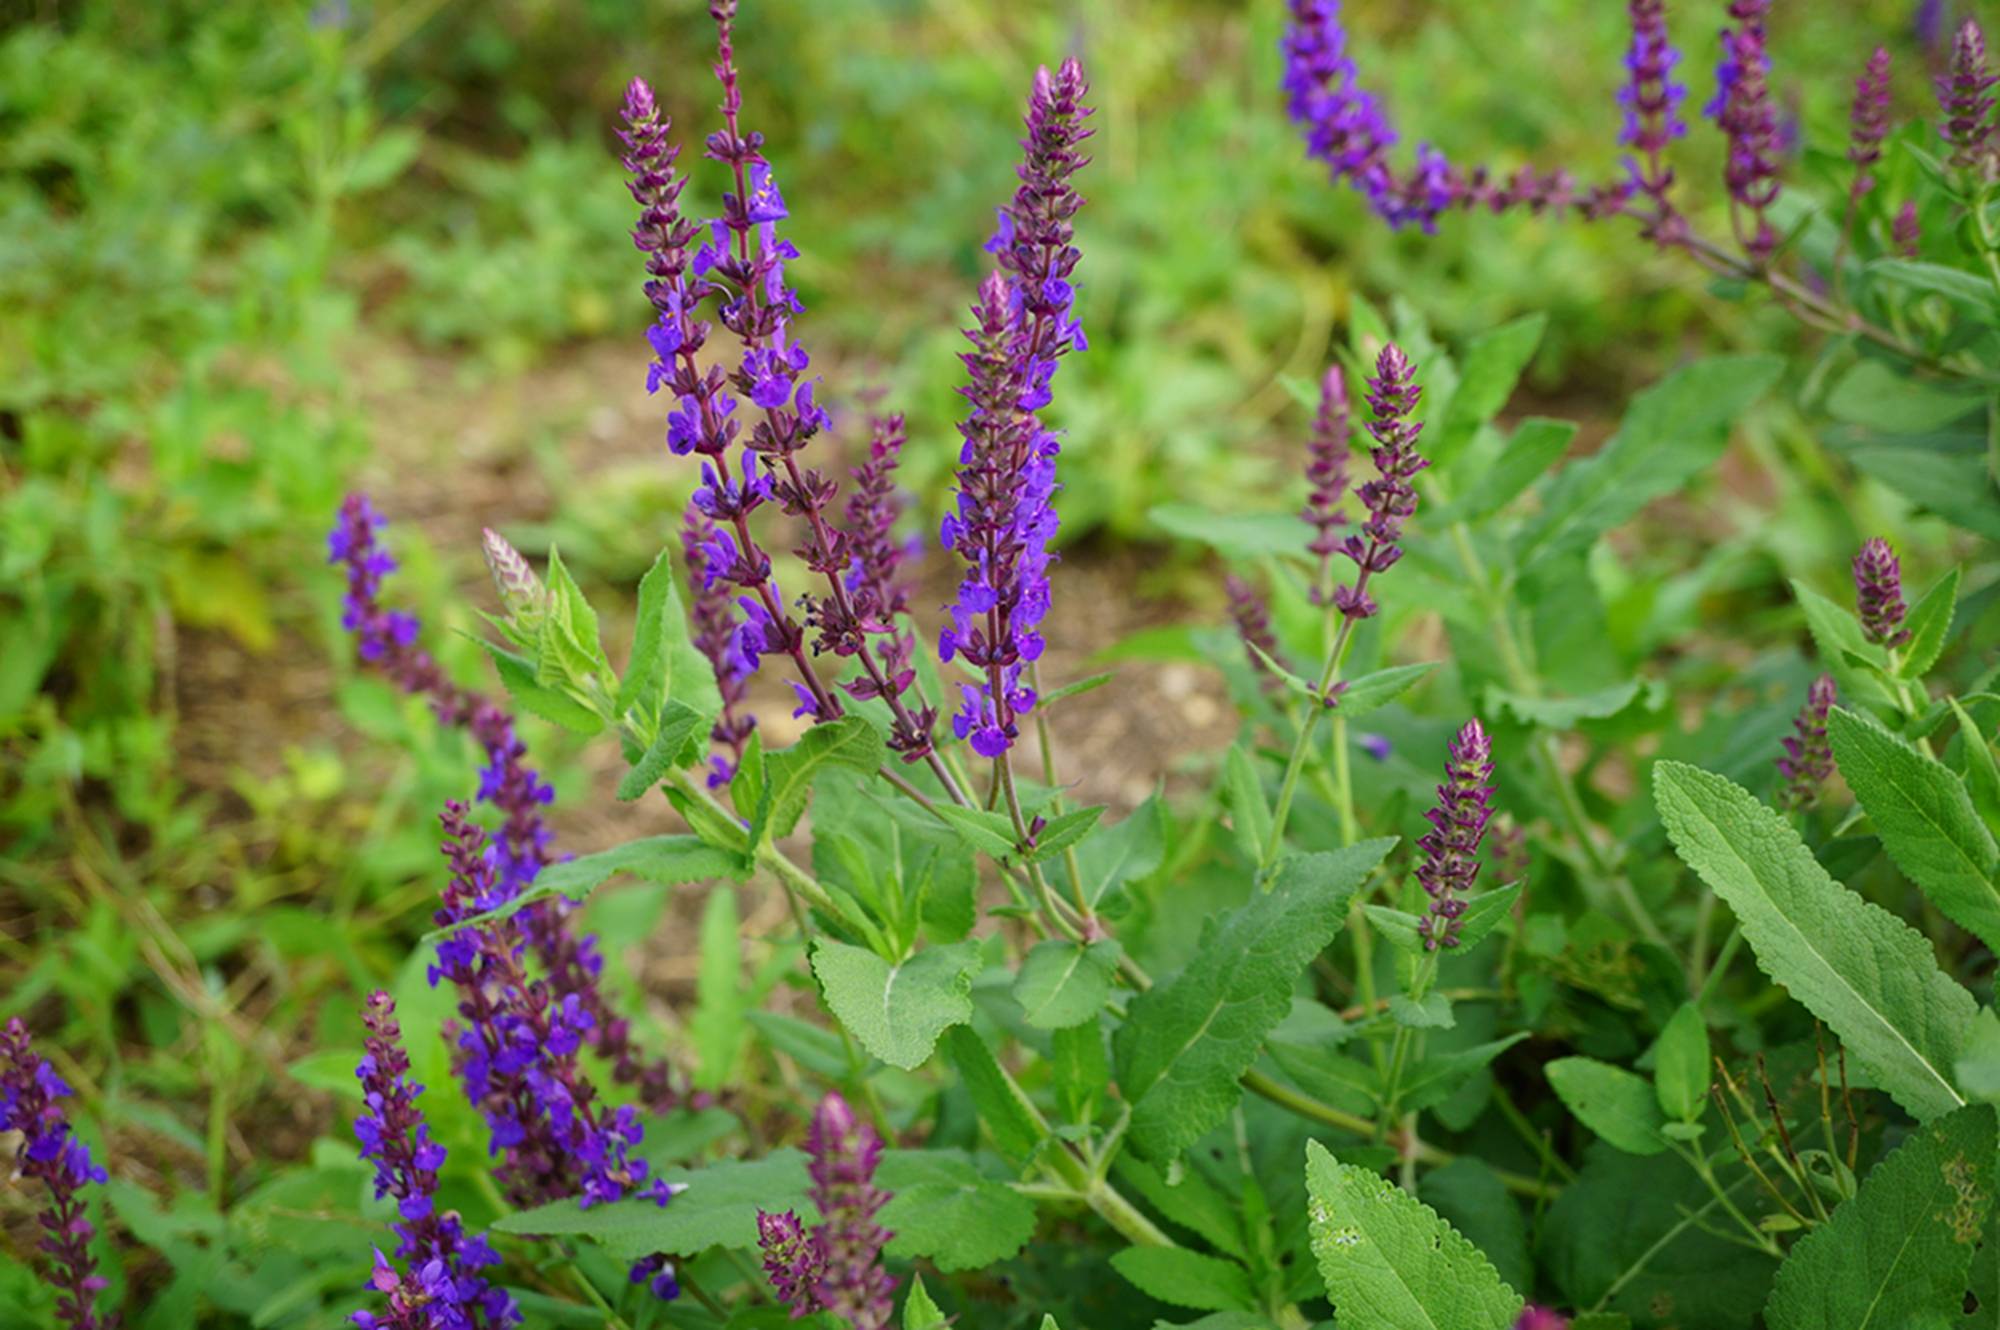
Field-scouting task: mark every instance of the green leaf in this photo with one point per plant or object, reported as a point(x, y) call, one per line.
point(1187, 1041)
point(1250, 813)
point(1065, 983)
point(517, 675)
point(1563, 713)
point(1680, 1065)
point(1483, 914)
point(665, 663)
point(1492, 366)
point(1982, 774)
point(718, 1208)
point(919, 1312)
point(1979, 1065)
point(897, 1011)
point(1837, 634)
point(570, 644)
point(1672, 433)
point(670, 860)
point(1956, 486)
point(1124, 852)
point(944, 1210)
point(1611, 1101)
point(1190, 1200)
point(1185, 1278)
point(1012, 1120)
point(1432, 1011)
point(1469, 1195)
point(1897, 1255)
point(1435, 1078)
point(1875, 395)
point(984, 830)
point(1929, 624)
point(849, 742)
point(1240, 536)
point(679, 724)
point(1925, 819)
point(1390, 1262)
point(1077, 689)
point(1961, 288)
point(1063, 831)
point(1537, 445)
point(1080, 1070)
point(718, 1026)
point(1872, 978)
point(1378, 689)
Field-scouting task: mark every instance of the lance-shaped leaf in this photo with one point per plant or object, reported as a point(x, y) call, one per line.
point(1065, 983)
point(1186, 1042)
point(1390, 1262)
point(665, 663)
point(1926, 821)
point(897, 1011)
point(1186, 1278)
point(1872, 978)
point(945, 1210)
point(849, 742)
point(716, 1205)
point(1611, 1101)
point(1898, 1254)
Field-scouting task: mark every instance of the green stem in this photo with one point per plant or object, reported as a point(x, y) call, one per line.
point(1336, 655)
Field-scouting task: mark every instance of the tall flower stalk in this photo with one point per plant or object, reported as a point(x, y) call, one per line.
point(50, 1153)
point(387, 641)
point(1807, 760)
point(837, 1265)
point(1451, 847)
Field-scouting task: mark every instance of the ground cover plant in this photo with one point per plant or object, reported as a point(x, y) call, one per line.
point(1586, 916)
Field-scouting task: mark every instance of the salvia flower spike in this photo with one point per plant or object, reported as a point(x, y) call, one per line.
point(1965, 99)
point(1390, 498)
point(1253, 624)
point(793, 1261)
point(1868, 122)
point(1878, 593)
point(49, 1152)
point(843, 1152)
point(1907, 232)
point(718, 635)
point(1651, 98)
point(1451, 847)
point(1808, 757)
point(387, 641)
point(442, 1286)
point(1748, 117)
point(1327, 455)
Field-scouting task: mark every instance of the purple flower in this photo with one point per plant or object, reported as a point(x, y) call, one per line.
point(1964, 97)
point(1868, 122)
point(1536, 1317)
point(793, 1261)
point(1906, 231)
point(1878, 593)
point(443, 1287)
point(710, 553)
point(1451, 847)
point(1327, 456)
point(1389, 498)
point(1748, 118)
point(1375, 745)
point(1652, 100)
point(506, 783)
point(1808, 758)
point(843, 1152)
point(1253, 625)
point(1344, 125)
point(50, 1153)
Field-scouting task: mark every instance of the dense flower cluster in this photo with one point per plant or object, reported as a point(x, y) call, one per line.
point(717, 637)
point(1652, 100)
point(387, 641)
point(442, 1288)
point(1808, 757)
point(1966, 99)
point(50, 1153)
point(1004, 517)
point(1390, 498)
point(837, 1265)
point(1451, 846)
point(1878, 593)
point(1868, 122)
point(873, 580)
point(1253, 624)
point(1327, 456)
point(1745, 111)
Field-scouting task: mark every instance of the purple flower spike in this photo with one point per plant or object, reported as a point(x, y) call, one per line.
point(877, 595)
point(1389, 498)
point(1253, 624)
point(1878, 593)
point(1964, 97)
point(710, 554)
point(1868, 122)
point(522, 594)
point(1652, 100)
point(1808, 758)
point(1451, 847)
point(1537, 1317)
point(443, 1287)
point(1748, 117)
point(50, 1153)
point(843, 1152)
point(793, 1261)
point(1327, 455)
point(1907, 232)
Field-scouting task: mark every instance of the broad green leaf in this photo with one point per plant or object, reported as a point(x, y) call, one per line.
point(1929, 625)
point(1063, 831)
point(1436, 1077)
point(1956, 486)
point(1080, 1069)
point(1837, 634)
point(1563, 713)
point(1536, 446)
point(1897, 1255)
point(1979, 1065)
point(1680, 1065)
point(1124, 852)
point(1470, 1197)
point(1872, 978)
point(665, 663)
point(1187, 1041)
point(1190, 1200)
point(1611, 1101)
point(670, 860)
point(1250, 814)
point(679, 724)
point(1009, 1117)
point(944, 1210)
point(1184, 1278)
point(1065, 983)
point(1492, 366)
point(984, 830)
point(919, 1312)
point(1672, 433)
point(1982, 774)
point(897, 1011)
point(849, 742)
point(718, 1027)
point(1925, 819)
point(1390, 1262)
point(1432, 1011)
point(1875, 395)
point(718, 1208)
point(517, 675)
